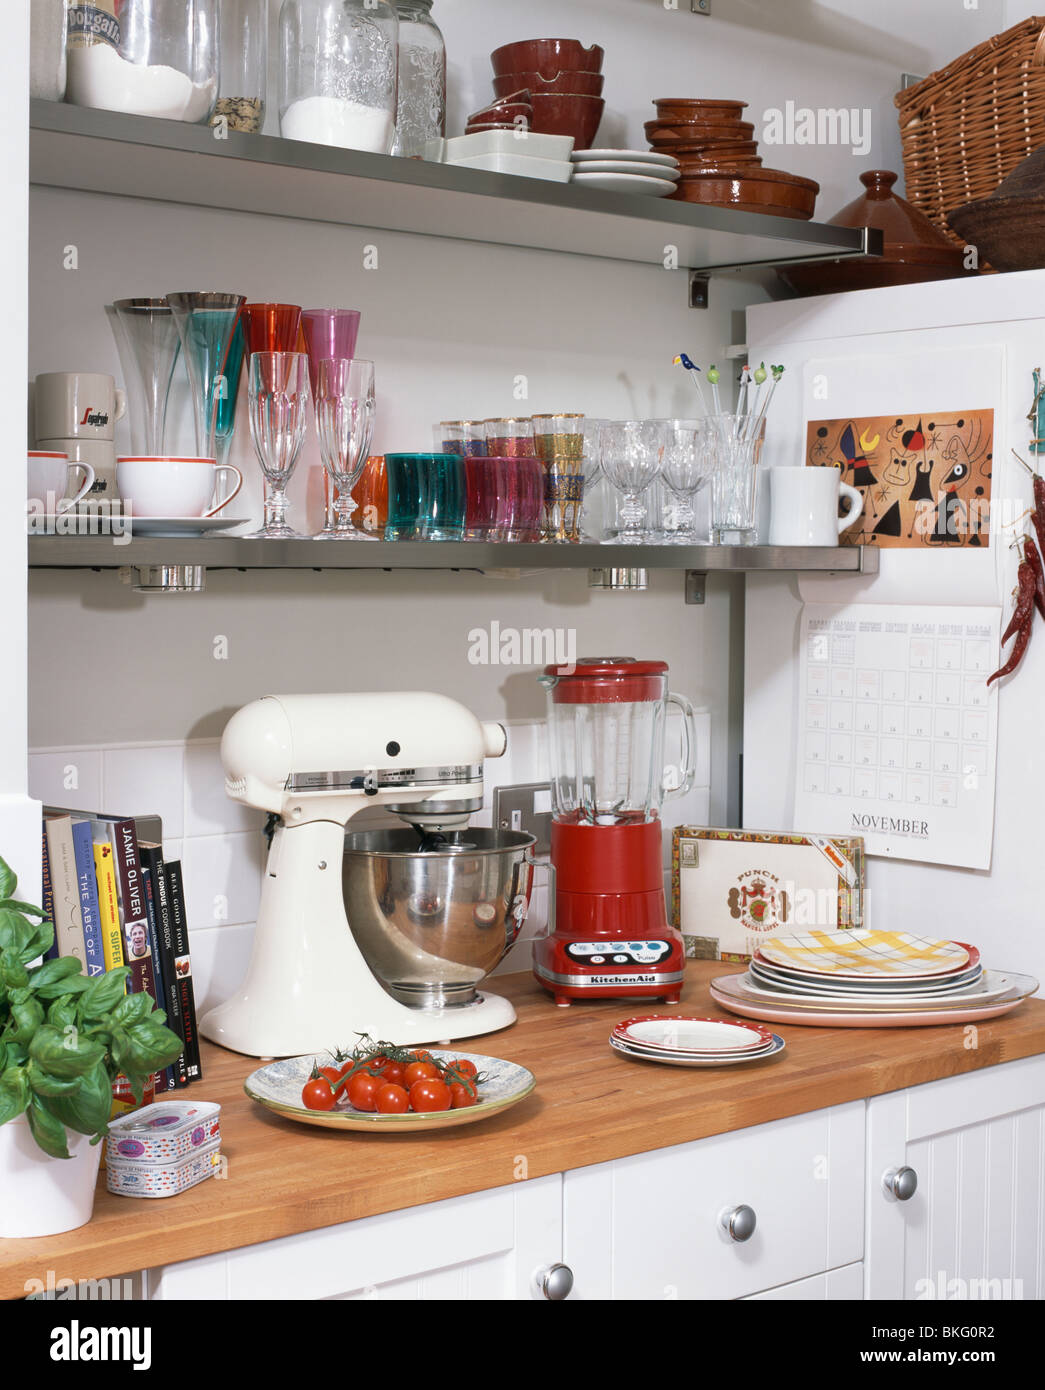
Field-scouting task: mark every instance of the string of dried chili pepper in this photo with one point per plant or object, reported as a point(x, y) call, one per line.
point(1024, 619)
point(1033, 557)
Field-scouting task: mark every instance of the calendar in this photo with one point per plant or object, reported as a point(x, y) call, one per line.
point(897, 737)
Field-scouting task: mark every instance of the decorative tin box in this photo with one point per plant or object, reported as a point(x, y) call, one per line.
point(131, 1179)
point(733, 889)
point(163, 1148)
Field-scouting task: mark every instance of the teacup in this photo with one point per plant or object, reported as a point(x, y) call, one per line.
point(47, 480)
point(175, 487)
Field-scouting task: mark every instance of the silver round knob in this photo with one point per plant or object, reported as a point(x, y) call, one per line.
point(556, 1282)
point(739, 1223)
point(901, 1183)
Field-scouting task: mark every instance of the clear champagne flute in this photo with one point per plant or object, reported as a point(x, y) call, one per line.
point(277, 398)
point(345, 407)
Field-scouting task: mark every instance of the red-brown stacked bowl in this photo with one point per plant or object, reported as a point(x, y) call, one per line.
point(718, 155)
point(564, 80)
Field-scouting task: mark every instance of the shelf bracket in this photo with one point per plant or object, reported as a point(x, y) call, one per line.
point(699, 289)
point(700, 6)
point(696, 586)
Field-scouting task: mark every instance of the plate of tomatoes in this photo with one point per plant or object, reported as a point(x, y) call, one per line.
point(380, 1086)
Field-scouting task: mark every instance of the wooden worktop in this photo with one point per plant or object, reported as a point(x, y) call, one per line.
point(590, 1105)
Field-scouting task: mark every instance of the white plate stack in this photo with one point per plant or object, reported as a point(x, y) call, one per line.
point(679, 1040)
point(644, 172)
point(869, 979)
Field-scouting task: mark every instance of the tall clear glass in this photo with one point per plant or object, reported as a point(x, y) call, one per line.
point(148, 343)
point(633, 456)
point(688, 461)
point(345, 406)
point(207, 324)
point(421, 112)
point(734, 480)
point(244, 65)
point(339, 63)
point(278, 396)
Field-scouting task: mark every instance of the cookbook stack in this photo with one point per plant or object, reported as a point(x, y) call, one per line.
point(869, 979)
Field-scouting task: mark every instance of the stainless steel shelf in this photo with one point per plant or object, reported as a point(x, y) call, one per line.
point(230, 552)
point(169, 161)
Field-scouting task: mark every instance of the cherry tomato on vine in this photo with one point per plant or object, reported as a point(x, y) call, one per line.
point(362, 1090)
point(331, 1074)
point(463, 1067)
point(427, 1095)
point(391, 1099)
point(461, 1096)
point(421, 1071)
point(394, 1073)
point(317, 1095)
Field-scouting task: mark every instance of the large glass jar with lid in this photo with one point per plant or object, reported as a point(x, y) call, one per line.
point(244, 65)
point(47, 49)
point(144, 57)
point(339, 63)
point(422, 78)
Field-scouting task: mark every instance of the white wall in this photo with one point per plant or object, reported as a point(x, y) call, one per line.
point(998, 910)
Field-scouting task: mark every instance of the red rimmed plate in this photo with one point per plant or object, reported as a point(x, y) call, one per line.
point(691, 1036)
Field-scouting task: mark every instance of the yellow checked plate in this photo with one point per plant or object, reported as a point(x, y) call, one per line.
point(865, 954)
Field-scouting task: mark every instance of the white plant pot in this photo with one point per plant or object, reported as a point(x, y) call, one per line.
point(41, 1195)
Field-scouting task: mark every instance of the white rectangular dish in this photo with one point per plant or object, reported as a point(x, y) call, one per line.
point(517, 142)
point(521, 165)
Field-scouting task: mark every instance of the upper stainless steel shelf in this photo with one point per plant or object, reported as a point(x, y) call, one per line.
point(229, 552)
point(169, 161)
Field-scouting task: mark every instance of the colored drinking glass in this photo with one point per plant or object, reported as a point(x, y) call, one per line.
point(444, 498)
point(484, 498)
point(524, 499)
point(329, 334)
point(407, 489)
point(272, 327)
point(207, 325)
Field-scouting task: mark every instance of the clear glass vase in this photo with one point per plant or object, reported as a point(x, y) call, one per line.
point(422, 79)
point(339, 62)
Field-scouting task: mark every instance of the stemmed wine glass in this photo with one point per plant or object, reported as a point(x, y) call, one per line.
point(277, 398)
point(688, 464)
point(591, 468)
point(345, 424)
point(632, 457)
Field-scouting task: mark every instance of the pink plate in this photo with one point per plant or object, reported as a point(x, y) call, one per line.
point(684, 1033)
point(724, 992)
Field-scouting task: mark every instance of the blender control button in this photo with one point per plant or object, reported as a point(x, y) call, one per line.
point(598, 960)
point(620, 960)
point(636, 945)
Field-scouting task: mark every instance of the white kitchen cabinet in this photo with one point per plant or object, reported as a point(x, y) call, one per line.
point(837, 1285)
point(488, 1245)
point(651, 1226)
point(971, 1229)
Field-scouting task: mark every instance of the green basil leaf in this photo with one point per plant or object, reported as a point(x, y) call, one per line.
point(60, 968)
point(8, 879)
point(26, 909)
point(14, 1093)
point(48, 1131)
point(15, 932)
point(104, 993)
point(132, 1008)
point(64, 1054)
point(13, 974)
point(54, 989)
point(40, 942)
point(62, 1014)
point(87, 1110)
point(44, 1084)
point(26, 1018)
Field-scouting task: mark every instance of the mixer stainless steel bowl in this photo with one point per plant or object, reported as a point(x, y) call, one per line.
point(432, 925)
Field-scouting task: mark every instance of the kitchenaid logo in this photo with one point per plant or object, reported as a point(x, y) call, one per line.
point(528, 646)
point(94, 417)
point(804, 125)
point(889, 825)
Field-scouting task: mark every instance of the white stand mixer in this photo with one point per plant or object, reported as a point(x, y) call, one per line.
point(315, 761)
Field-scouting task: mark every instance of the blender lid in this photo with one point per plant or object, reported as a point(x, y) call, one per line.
point(607, 680)
point(609, 666)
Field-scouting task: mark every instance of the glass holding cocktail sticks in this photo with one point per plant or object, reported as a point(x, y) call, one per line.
point(277, 397)
point(345, 406)
point(736, 446)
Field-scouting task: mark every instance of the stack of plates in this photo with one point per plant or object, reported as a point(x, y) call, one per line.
point(627, 171)
point(869, 979)
point(682, 1041)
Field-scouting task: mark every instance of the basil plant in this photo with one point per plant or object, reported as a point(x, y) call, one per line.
point(65, 1038)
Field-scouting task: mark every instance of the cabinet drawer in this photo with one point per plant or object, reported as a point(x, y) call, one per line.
point(837, 1285)
point(650, 1226)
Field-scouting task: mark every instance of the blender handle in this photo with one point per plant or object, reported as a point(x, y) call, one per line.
point(689, 744)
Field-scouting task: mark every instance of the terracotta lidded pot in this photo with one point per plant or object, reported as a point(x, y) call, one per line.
point(914, 249)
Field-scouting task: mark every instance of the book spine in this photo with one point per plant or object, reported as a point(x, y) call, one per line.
point(133, 913)
point(108, 906)
point(183, 969)
point(165, 1078)
point(165, 940)
point(68, 924)
point(47, 897)
point(87, 888)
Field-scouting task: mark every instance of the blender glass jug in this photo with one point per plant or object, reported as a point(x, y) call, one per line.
point(606, 723)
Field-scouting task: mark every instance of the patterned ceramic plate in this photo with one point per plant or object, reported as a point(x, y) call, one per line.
point(995, 985)
point(669, 1059)
point(866, 954)
point(683, 1033)
point(278, 1086)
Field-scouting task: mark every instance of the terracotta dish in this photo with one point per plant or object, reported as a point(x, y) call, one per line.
point(549, 57)
point(664, 133)
point(760, 190)
point(589, 84)
point(1008, 228)
point(915, 250)
point(699, 108)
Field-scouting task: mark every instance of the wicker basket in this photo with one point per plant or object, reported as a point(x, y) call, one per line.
point(966, 127)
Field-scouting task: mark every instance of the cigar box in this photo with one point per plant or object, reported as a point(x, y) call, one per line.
point(734, 889)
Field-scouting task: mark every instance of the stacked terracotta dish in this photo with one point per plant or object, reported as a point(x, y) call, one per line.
point(869, 979)
point(558, 80)
point(719, 158)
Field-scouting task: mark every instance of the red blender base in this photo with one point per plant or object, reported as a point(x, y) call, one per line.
point(611, 938)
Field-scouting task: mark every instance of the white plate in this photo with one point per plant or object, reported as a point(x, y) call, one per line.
point(859, 989)
point(667, 1060)
point(625, 183)
point(680, 1033)
point(183, 525)
point(621, 166)
point(626, 156)
point(994, 985)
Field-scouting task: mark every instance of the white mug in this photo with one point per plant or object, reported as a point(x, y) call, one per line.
point(175, 487)
point(803, 506)
point(47, 480)
point(77, 405)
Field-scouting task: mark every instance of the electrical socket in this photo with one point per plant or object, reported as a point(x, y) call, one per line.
point(526, 807)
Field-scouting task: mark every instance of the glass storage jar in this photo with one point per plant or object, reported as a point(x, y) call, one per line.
point(47, 49)
point(144, 57)
point(421, 112)
point(338, 69)
point(244, 65)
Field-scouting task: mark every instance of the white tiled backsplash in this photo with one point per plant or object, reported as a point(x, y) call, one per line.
point(220, 842)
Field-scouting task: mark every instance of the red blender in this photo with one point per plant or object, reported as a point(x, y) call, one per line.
point(606, 718)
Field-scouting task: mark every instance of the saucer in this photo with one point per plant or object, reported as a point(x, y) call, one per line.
point(183, 525)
